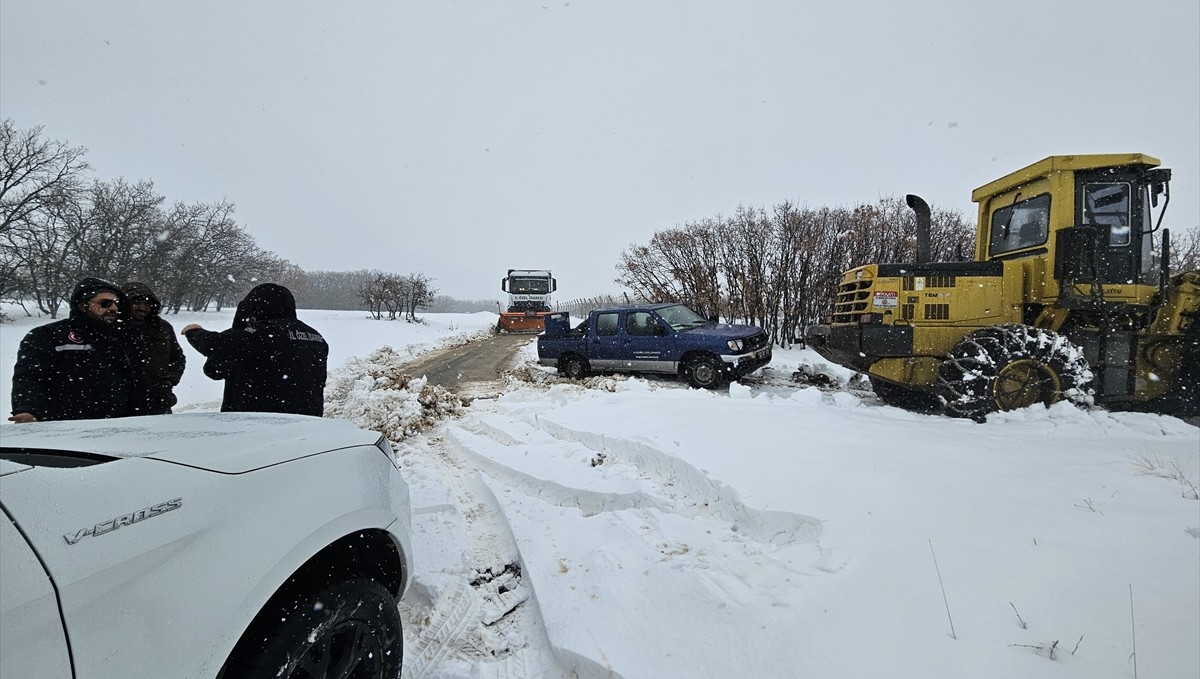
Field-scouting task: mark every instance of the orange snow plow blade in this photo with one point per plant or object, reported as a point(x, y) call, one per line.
point(532, 323)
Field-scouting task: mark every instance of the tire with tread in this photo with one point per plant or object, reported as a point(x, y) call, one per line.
point(1011, 366)
point(346, 629)
point(704, 372)
point(572, 366)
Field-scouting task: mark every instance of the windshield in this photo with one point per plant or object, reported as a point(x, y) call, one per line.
point(1021, 225)
point(680, 317)
point(1108, 203)
point(519, 285)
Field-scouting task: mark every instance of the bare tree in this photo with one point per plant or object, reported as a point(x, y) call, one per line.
point(114, 229)
point(37, 178)
point(374, 292)
point(679, 265)
point(34, 173)
point(418, 294)
point(1185, 250)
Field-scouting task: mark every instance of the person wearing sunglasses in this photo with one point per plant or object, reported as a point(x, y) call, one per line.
point(80, 367)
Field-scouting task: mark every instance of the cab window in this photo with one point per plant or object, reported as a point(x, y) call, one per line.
point(606, 324)
point(640, 323)
point(1020, 225)
point(1108, 203)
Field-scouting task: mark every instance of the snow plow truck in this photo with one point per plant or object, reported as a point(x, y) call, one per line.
point(1069, 296)
point(528, 300)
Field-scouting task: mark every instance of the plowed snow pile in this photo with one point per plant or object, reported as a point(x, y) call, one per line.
point(376, 393)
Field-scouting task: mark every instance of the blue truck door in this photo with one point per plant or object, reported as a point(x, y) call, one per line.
point(649, 346)
point(606, 351)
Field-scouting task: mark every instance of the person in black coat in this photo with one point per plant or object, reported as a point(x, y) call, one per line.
point(81, 367)
point(154, 338)
point(271, 361)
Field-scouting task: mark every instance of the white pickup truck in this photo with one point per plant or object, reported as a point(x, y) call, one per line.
point(200, 545)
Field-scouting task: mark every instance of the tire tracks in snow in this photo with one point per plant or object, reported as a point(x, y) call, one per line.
point(484, 620)
point(654, 499)
point(491, 620)
point(675, 485)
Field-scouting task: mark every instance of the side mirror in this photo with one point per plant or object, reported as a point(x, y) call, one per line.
point(1158, 179)
point(659, 330)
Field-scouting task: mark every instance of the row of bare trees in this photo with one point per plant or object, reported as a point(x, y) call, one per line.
point(396, 295)
point(58, 225)
point(777, 268)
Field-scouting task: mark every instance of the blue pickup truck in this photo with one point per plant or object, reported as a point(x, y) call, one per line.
point(653, 338)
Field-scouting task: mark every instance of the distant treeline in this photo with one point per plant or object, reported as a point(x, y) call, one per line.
point(380, 293)
point(58, 224)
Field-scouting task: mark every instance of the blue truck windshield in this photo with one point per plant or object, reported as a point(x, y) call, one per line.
point(681, 317)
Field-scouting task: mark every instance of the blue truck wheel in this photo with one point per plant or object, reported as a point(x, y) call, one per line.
point(703, 372)
point(572, 366)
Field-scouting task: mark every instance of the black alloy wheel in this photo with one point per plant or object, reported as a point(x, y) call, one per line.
point(346, 630)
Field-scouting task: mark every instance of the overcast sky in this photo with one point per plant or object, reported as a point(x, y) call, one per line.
point(461, 139)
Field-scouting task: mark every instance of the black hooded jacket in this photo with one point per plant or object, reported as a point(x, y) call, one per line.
point(78, 368)
point(162, 358)
point(271, 361)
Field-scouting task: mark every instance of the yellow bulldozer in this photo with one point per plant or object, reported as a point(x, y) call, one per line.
point(1069, 296)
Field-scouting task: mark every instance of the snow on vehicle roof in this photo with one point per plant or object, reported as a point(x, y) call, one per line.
point(228, 442)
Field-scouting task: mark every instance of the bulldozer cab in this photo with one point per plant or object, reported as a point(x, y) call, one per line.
point(1070, 220)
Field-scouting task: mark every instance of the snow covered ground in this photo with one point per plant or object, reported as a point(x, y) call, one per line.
point(638, 528)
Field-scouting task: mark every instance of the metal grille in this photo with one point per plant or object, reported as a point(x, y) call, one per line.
point(910, 282)
point(906, 311)
point(852, 300)
point(937, 312)
point(757, 341)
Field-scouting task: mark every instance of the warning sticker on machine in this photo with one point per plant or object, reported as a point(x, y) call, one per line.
point(886, 298)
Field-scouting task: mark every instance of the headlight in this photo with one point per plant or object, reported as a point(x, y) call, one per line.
point(735, 345)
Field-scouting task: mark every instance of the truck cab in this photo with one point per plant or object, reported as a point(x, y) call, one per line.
point(529, 293)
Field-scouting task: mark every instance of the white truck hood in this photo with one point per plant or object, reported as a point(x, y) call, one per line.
point(230, 443)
